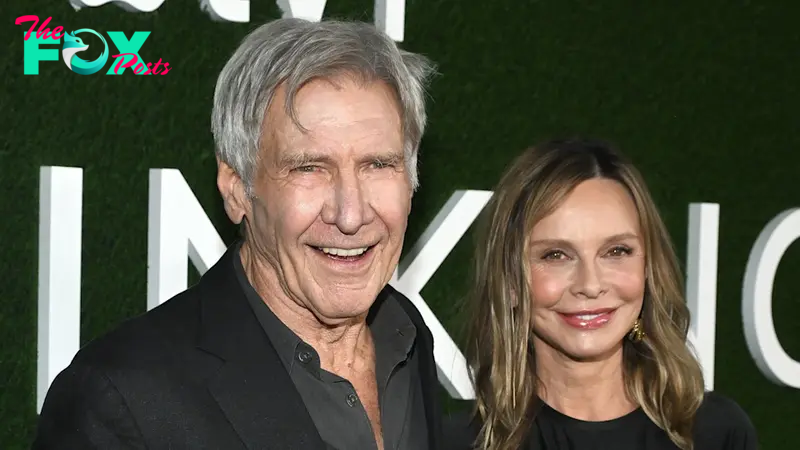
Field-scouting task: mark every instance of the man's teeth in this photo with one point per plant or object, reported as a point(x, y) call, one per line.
point(344, 251)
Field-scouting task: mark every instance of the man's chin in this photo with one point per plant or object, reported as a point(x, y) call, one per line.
point(335, 308)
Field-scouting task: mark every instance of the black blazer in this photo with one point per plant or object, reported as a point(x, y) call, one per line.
point(195, 372)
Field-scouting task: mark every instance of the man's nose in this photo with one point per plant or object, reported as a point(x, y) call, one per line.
point(350, 208)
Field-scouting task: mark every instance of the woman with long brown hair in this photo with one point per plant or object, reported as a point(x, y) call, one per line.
point(579, 324)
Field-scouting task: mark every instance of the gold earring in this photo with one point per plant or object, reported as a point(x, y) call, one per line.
point(637, 333)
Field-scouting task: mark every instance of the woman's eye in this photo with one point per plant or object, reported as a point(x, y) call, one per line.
point(620, 250)
point(555, 254)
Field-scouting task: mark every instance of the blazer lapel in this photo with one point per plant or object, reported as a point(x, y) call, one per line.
point(430, 391)
point(252, 387)
point(263, 409)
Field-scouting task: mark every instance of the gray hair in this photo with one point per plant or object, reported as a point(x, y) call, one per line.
point(294, 52)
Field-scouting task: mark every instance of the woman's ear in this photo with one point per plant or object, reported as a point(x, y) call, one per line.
point(513, 299)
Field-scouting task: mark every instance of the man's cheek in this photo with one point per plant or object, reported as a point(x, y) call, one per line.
point(392, 202)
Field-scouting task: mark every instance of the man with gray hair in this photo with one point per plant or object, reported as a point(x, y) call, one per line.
point(293, 339)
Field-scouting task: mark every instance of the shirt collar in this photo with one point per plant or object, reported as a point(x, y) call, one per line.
point(392, 330)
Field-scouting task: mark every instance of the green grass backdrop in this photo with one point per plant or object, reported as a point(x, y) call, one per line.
point(702, 95)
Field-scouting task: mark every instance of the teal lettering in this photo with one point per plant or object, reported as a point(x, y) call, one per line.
point(131, 46)
point(33, 53)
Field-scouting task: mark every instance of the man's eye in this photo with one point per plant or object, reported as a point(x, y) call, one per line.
point(306, 168)
point(381, 164)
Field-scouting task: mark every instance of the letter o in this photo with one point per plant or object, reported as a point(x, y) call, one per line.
point(759, 277)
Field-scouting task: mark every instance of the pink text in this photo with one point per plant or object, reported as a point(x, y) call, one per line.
point(140, 67)
point(42, 32)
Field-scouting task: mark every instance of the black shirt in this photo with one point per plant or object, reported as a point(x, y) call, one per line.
point(331, 400)
point(720, 424)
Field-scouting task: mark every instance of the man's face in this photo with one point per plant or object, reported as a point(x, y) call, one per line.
point(332, 202)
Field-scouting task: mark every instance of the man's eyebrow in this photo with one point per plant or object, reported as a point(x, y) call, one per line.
point(388, 156)
point(297, 159)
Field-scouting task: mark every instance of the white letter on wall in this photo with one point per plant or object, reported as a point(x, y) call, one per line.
point(302, 9)
point(127, 5)
point(759, 328)
point(421, 263)
point(60, 211)
point(701, 283)
point(177, 227)
point(227, 10)
point(390, 16)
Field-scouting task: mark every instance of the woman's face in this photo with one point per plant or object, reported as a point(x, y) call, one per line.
point(587, 272)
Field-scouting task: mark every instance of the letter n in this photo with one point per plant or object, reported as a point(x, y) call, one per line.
point(59, 314)
point(177, 226)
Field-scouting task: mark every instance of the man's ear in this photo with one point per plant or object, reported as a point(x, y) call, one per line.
point(234, 194)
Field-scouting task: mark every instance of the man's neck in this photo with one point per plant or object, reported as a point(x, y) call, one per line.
point(344, 347)
point(584, 390)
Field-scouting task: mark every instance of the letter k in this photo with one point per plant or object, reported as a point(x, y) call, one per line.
point(417, 268)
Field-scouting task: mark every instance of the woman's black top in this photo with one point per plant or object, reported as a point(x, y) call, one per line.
point(720, 424)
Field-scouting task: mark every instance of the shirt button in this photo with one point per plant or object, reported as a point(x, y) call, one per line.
point(304, 357)
point(351, 400)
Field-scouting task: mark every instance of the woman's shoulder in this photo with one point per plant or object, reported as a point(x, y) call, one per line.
point(460, 427)
point(719, 408)
point(722, 423)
